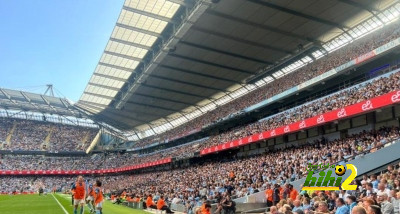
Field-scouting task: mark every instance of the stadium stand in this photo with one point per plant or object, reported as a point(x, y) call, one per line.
point(346, 97)
point(338, 100)
point(384, 185)
point(31, 135)
point(175, 166)
point(244, 169)
point(333, 60)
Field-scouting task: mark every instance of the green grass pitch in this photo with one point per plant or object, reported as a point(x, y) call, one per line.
point(47, 204)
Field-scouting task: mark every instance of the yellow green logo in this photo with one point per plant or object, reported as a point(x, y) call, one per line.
point(326, 181)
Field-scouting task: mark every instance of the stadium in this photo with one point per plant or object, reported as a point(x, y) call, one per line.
point(201, 106)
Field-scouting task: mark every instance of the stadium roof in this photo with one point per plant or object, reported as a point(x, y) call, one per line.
point(26, 101)
point(41, 107)
point(170, 61)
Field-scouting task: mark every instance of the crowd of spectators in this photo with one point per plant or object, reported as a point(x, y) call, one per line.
point(376, 194)
point(237, 177)
point(93, 162)
point(243, 176)
point(335, 101)
point(70, 138)
point(318, 67)
point(249, 173)
point(30, 135)
point(31, 184)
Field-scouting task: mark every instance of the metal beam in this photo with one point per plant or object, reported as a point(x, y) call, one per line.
point(299, 14)
point(130, 43)
point(225, 52)
point(197, 73)
point(153, 106)
point(168, 122)
point(104, 86)
point(66, 106)
point(151, 127)
point(240, 40)
point(116, 67)
point(45, 100)
point(211, 63)
point(184, 115)
point(151, 33)
point(5, 94)
point(254, 24)
point(174, 91)
point(186, 83)
point(26, 97)
point(8, 96)
point(123, 56)
point(164, 99)
point(152, 15)
point(110, 77)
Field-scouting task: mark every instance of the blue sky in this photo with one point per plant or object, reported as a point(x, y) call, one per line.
point(53, 41)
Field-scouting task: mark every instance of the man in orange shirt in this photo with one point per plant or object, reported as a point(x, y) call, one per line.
point(150, 203)
point(90, 198)
point(231, 176)
point(268, 194)
point(293, 192)
point(281, 192)
point(98, 200)
point(205, 208)
point(129, 198)
point(162, 206)
point(79, 194)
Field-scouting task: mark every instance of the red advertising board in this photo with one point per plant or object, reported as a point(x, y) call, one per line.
point(365, 57)
point(352, 110)
point(85, 172)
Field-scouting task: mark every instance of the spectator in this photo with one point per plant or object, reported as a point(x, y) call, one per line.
point(351, 202)
point(341, 207)
point(150, 203)
point(374, 209)
point(323, 207)
point(161, 205)
point(358, 210)
point(382, 189)
point(297, 205)
point(386, 206)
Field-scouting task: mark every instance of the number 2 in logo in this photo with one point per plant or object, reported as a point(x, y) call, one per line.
point(346, 183)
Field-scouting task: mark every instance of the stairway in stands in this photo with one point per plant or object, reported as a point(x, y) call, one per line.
point(83, 141)
point(46, 142)
point(10, 134)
